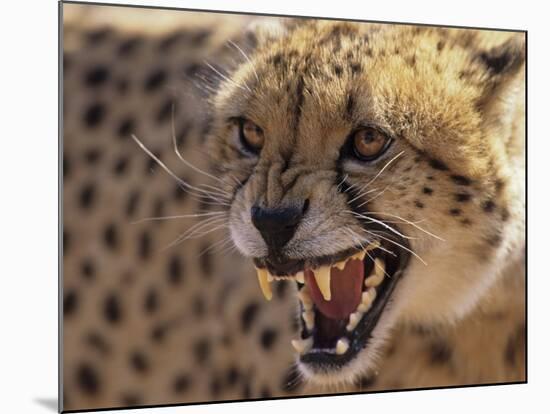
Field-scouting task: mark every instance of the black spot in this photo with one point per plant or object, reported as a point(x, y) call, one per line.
point(181, 383)
point(66, 241)
point(440, 45)
point(179, 193)
point(155, 80)
point(215, 387)
point(97, 342)
point(126, 127)
point(504, 214)
point(128, 46)
point(132, 203)
point(92, 156)
point(165, 111)
point(355, 68)
point(438, 165)
point(494, 240)
point(265, 392)
point(418, 204)
point(139, 362)
point(158, 332)
point(111, 309)
point(233, 375)
point(198, 38)
point(337, 70)
point(70, 302)
point(455, 212)
point(427, 190)
point(268, 338)
point(94, 115)
point(291, 380)
point(466, 222)
point(440, 353)
point(130, 398)
point(202, 350)
point(488, 206)
point(97, 76)
point(120, 166)
point(461, 180)
point(248, 315)
point(170, 40)
point(86, 197)
point(463, 197)
point(366, 381)
point(151, 302)
point(88, 269)
point(175, 270)
point(110, 236)
point(97, 36)
point(87, 379)
point(276, 59)
point(144, 246)
point(499, 184)
point(350, 105)
point(66, 166)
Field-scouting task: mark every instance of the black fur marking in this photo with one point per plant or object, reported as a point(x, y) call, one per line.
point(299, 102)
point(233, 375)
point(202, 350)
point(495, 240)
point(95, 37)
point(461, 180)
point(70, 302)
point(139, 362)
point(440, 353)
point(215, 387)
point(165, 111)
point(92, 156)
point(120, 166)
point(438, 165)
point(88, 269)
point(144, 246)
point(132, 203)
point(130, 398)
point(155, 80)
point(128, 46)
point(268, 338)
point(427, 190)
point(175, 270)
point(350, 106)
point(110, 236)
point(366, 382)
point(466, 222)
point(94, 114)
point(97, 342)
point(126, 127)
point(248, 316)
point(418, 204)
point(292, 380)
point(111, 309)
point(440, 45)
point(151, 301)
point(87, 196)
point(463, 197)
point(97, 76)
point(488, 206)
point(455, 212)
point(182, 382)
point(66, 166)
point(88, 379)
point(338, 70)
point(355, 68)
point(199, 307)
point(66, 241)
point(504, 214)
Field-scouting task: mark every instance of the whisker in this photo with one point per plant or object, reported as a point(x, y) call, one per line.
point(246, 57)
point(227, 78)
point(146, 219)
point(411, 223)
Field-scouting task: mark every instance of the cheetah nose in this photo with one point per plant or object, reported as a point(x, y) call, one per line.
point(277, 225)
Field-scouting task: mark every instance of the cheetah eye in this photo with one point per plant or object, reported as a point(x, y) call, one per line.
point(251, 135)
point(369, 143)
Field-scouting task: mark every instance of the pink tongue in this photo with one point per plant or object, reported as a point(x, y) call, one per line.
point(345, 287)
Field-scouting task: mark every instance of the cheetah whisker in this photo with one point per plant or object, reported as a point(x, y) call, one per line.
point(412, 223)
point(246, 57)
point(231, 81)
point(159, 218)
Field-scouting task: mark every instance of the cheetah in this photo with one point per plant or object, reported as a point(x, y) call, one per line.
point(259, 207)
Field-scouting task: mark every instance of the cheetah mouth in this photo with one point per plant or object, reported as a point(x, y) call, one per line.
point(341, 299)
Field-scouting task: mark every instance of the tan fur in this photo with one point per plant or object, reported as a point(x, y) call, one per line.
point(470, 297)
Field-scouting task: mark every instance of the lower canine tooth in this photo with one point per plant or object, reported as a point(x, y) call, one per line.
point(342, 346)
point(265, 286)
point(309, 319)
point(354, 319)
point(322, 277)
point(377, 274)
point(302, 345)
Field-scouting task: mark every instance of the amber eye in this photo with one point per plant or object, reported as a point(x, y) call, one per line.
point(369, 143)
point(251, 135)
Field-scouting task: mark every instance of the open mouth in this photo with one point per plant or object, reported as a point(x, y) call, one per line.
point(341, 299)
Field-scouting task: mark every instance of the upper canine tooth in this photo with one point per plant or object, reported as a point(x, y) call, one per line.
point(377, 274)
point(374, 245)
point(322, 277)
point(265, 286)
point(302, 345)
point(359, 255)
point(342, 346)
point(300, 277)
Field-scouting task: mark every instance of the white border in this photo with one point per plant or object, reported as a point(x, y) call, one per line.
point(28, 175)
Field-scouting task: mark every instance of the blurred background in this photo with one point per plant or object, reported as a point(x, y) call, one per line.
point(147, 321)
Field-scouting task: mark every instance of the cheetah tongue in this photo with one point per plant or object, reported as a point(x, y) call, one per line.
point(345, 290)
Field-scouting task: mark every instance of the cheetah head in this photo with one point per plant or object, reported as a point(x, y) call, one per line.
point(378, 168)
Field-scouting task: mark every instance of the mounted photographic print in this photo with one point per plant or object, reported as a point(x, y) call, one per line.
point(259, 207)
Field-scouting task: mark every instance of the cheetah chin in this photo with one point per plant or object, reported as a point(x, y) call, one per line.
point(341, 300)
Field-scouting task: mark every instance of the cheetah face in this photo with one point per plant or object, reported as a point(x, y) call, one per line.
point(341, 182)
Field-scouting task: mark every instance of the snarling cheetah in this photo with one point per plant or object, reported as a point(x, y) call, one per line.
point(261, 207)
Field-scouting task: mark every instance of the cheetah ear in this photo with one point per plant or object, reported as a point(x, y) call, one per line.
point(503, 66)
point(267, 29)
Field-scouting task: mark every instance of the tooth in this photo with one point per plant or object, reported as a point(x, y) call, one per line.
point(299, 277)
point(359, 255)
point(263, 278)
point(304, 297)
point(309, 319)
point(270, 277)
point(340, 265)
point(302, 345)
point(366, 299)
point(377, 274)
point(342, 346)
point(373, 245)
point(354, 319)
point(322, 277)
